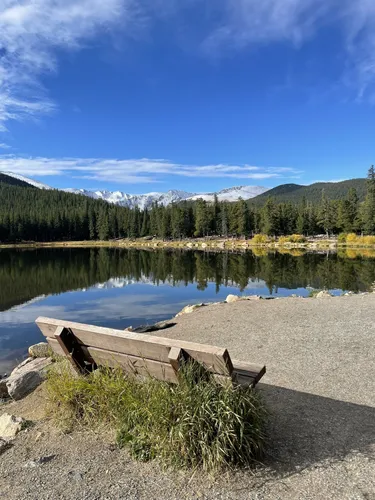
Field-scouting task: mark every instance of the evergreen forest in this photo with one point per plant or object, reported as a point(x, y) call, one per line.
point(31, 214)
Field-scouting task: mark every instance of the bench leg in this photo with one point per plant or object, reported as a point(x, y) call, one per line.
point(73, 350)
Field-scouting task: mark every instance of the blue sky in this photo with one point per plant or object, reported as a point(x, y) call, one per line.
point(149, 95)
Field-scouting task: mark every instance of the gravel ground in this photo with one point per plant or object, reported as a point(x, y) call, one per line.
point(319, 386)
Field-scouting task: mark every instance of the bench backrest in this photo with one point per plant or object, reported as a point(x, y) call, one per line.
point(136, 353)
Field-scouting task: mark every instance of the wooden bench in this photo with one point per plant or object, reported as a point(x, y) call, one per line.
point(88, 346)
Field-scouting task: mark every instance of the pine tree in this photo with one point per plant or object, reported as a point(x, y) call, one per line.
point(102, 227)
point(369, 204)
point(201, 219)
point(269, 218)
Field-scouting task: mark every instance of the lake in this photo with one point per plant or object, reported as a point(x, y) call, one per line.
point(121, 287)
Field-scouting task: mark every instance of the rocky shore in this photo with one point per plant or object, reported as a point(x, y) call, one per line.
point(319, 388)
point(207, 244)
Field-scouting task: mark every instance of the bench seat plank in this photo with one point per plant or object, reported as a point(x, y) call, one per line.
point(215, 359)
point(144, 355)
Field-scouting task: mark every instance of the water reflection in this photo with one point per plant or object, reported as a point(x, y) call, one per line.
point(119, 287)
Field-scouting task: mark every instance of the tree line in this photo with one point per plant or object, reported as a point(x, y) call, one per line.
point(28, 214)
point(25, 275)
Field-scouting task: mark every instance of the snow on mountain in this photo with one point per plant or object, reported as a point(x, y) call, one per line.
point(36, 184)
point(146, 200)
point(132, 200)
point(232, 194)
point(172, 196)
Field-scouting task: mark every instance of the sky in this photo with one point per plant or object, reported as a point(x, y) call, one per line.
point(198, 95)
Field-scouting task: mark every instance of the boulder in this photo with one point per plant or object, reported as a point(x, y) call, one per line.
point(10, 425)
point(41, 350)
point(189, 309)
point(232, 298)
point(26, 377)
point(323, 294)
point(3, 388)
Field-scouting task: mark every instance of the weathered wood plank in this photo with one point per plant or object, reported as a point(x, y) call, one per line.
point(215, 359)
point(249, 369)
point(133, 364)
point(55, 346)
point(176, 356)
point(72, 350)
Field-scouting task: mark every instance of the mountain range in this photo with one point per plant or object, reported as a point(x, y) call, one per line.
point(145, 200)
point(293, 193)
point(172, 196)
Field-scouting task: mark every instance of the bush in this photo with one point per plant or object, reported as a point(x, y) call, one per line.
point(259, 239)
point(197, 422)
point(351, 238)
point(342, 237)
point(293, 238)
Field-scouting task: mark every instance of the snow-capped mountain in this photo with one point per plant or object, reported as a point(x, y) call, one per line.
point(143, 201)
point(36, 184)
point(173, 196)
point(132, 200)
point(232, 194)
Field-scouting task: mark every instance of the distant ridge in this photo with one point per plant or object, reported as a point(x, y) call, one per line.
point(11, 181)
point(20, 180)
point(295, 193)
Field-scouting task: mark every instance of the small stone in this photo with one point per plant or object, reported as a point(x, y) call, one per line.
point(39, 461)
point(323, 294)
point(232, 298)
point(26, 377)
point(75, 475)
point(10, 425)
point(38, 436)
point(41, 350)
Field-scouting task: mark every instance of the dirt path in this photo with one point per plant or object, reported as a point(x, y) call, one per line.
point(319, 386)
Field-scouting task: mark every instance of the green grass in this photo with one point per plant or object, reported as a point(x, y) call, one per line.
point(196, 423)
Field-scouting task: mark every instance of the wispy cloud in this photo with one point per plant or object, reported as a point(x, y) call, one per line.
point(33, 32)
point(4, 146)
point(142, 170)
point(246, 23)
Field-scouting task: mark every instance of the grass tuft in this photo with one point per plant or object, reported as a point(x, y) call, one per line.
point(196, 423)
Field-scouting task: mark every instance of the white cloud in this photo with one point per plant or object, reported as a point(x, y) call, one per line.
point(246, 23)
point(33, 32)
point(134, 170)
point(4, 146)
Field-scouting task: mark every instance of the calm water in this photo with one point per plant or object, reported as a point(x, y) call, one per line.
point(119, 287)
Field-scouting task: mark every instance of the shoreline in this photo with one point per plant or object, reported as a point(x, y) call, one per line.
point(195, 244)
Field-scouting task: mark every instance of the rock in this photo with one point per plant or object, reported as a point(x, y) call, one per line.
point(75, 476)
point(3, 389)
point(41, 350)
point(26, 377)
point(323, 294)
point(189, 309)
point(4, 445)
point(232, 298)
point(39, 461)
point(252, 297)
point(10, 425)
